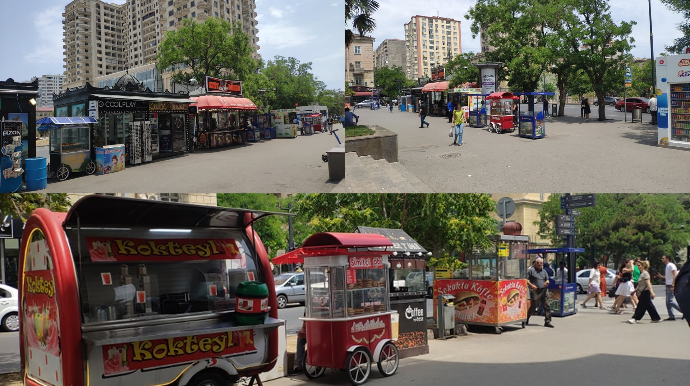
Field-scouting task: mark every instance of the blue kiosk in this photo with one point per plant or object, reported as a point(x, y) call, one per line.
point(477, 104)
point(562, 293)
point(532, 122)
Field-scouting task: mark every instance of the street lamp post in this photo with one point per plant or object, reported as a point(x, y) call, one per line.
point(651, 46)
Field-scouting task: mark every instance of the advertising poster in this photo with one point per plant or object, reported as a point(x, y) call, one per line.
point(225, 86)
point(41, 330)
point(513, 300)
point(24, 119)
point(127, 249)
point(110, 159)
point(412, 324)
point(476, 301)
point(61, 111)
point(12, 154)
point(79, 110)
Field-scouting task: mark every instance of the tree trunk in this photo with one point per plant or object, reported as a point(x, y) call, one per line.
point(602, 106)
point(560, 82)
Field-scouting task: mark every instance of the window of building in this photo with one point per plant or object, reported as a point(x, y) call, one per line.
point(358, 50)
point(358, 80)
point(171, 13)
point(171, 197)
point(193, 14)
point(170, 3)
point(191, 4)
point(172, 23)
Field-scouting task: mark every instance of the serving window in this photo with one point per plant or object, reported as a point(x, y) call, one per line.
point(144, 275)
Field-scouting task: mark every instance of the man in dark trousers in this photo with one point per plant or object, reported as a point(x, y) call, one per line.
point(538, 283)
point(422, 114)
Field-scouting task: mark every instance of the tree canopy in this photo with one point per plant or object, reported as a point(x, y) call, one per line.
point(460, 69)
point(680, 44)
point(359, 13)
point(20, 205)
point(390, 80)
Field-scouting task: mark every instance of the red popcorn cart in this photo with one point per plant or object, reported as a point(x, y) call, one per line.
point(348, 317)
point(133, 292)
point(502, 115)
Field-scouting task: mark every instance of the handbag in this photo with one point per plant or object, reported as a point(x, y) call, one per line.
point(450, 133)
point(612, 291)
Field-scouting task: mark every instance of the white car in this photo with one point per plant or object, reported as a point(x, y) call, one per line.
point(9, 308)
point(365, 103)
point(582, 279)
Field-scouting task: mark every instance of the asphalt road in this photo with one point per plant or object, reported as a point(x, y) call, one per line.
point(279, 165)
point(575, 155)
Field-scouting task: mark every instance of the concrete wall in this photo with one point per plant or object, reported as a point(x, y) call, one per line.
point(383, 144)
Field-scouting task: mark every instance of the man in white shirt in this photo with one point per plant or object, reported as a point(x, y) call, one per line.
point(670, 280)
point(561, 273)
point(652, 109)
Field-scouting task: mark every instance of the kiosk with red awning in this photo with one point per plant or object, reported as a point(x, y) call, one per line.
point(218, 120)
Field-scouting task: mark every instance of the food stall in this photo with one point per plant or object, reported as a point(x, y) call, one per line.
point(673, 100)
point(532, 122)
point(492, 291)
point(283, 122)
point(70, 145)
point(408, 288)
point(313, 121)
point(220, 121)
point(123, 291)
point(260, 123)
point(562, 293)
point(348, 319)
point(501, 105)
point(476, 106)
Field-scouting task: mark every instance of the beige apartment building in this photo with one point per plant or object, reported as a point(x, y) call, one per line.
point(527, 207)
point(390, 53)
point(429, 42)
point(47, 86)
point(101, 39)
point(359, 62)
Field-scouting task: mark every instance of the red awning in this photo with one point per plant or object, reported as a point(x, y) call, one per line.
point(364, 93)
point(501, 95)
point(223, 102)
point(333, 240)
point(438, 86)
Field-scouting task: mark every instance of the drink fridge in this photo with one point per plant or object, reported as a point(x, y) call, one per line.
point(673, 100)
point(140, 142)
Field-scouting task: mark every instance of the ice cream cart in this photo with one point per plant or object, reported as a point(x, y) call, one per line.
point(70, 145)
point(492, 290)
point(134, 292)
point(501, 119)
point(562, 293)
point(283, 123)
point(673, 100)
point(532, 122)
point(348, 318)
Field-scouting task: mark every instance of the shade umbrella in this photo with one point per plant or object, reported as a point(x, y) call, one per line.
point(222, 102)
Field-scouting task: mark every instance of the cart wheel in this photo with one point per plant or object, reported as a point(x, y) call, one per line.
point(499, 330)
point(63, 172)
point(358, 366)
point(208, 378)
point(388, 360)
point(282, 301)
point(523, 324)
point(50, 174)
point(310, 371)
point(91, 167)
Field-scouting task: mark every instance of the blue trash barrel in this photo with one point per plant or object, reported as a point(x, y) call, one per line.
point(36, 173)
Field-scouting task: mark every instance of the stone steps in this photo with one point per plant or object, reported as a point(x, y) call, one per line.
point(367, 175)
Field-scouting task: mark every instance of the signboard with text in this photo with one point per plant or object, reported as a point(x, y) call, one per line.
point(225, 86)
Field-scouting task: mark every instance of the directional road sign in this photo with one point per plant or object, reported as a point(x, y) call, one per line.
point(579, 201)
point(565, 225)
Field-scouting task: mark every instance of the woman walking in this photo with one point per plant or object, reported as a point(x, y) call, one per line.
point(593, 289)
point(645, 294)
point(459, 124)
point(625, 286)
point(587, 109)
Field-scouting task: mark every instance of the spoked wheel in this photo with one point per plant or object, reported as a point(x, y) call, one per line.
point(63, 172)
point(388, 360)
point(91, 167)
point(312, 371)
point(358, 366)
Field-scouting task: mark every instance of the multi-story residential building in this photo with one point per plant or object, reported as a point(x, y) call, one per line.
point(47, 86)
point(359, 62)
point(102, 39)
point(391, 53)
point(430, 42)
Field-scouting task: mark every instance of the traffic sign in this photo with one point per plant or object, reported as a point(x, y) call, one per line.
point(565, 231)
point(628, 77)
point(579, 201)
point(506, 206)
point(572, 212)
point(563, 217)
point(565, 224)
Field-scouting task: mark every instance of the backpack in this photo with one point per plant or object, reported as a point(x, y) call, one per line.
point(682, 289)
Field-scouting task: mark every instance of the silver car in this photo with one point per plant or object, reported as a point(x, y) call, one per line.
point(9, 308)
point(582, 279)
point(290, 287)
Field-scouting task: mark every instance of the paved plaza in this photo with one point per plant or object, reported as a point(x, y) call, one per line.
point(576, 155)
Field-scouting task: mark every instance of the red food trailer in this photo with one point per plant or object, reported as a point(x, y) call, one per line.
point(348, 320)
point(134, 292)
point(501, 112)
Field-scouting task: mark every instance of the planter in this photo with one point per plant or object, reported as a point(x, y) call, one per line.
point(383, 144)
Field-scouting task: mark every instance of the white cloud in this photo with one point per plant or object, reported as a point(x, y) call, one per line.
point(335, 5)
point(48, 26)
point(283, 34)
point(277, 13)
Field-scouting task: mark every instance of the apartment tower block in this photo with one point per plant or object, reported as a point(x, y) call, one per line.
point(430, 42)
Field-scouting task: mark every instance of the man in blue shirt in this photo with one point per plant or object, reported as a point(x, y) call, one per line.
point(348, 118)
point(450, 106)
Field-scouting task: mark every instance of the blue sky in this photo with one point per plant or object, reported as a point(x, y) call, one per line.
point(309, 30)
point(393, 14)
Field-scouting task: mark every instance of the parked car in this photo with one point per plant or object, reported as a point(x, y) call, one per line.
point(582, 279)
point(9, 308)
point(611, 101)
point(290, 287)
point(414, 279)
point(365, 103)
point(631, 103)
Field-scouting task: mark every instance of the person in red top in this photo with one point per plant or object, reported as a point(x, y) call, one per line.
point(602, 278)
point(299, 355)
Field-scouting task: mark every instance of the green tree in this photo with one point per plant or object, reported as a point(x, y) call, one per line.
point(626, 225)
point(333, 99)
point(293, 82)
point(212, 48)
point(681, 43)
point(442, 223)
point(271, 228)
point(390, 80)
point(359, 13)
point(461, 70)
point(641, 80)
point(20, 205)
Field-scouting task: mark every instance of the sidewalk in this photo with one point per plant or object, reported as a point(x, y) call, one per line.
point(575, 155)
